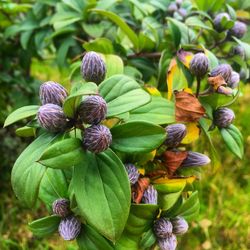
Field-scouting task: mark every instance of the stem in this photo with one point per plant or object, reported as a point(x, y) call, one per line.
point(148, 55)
point(198, 86)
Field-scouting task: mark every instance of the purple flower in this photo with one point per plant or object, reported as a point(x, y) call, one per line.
point(239, 29)
point(180, 225)
point(150, 196)
point(239, 50)
point(225, 70)
point(223, 117)
point(61, 207)
point(97, 138)
point(69, 228)
point(175, 134)
point(217, 21)
point(133, 173)
point(234, 80)
point(163, 228)
point(52, 118)
point(168, 243)
point(93, 67)
point(195, 159)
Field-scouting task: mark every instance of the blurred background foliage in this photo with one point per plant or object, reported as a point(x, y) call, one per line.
point(44, 40)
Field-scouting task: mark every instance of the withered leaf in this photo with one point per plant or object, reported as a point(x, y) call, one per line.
point(138, 189)
point(173, 160)
point(216, 82)
point(187, 107)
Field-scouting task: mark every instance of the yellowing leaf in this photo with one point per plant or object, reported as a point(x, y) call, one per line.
point(188, 90)
point(152, 90)
point(243, 14)
point(141, 171)
point(185, 57)
point(193, 133)
point(111, 122)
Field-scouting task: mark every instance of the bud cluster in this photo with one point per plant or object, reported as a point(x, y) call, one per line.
point(166, 230)
point(175, 134)
point(175, 9)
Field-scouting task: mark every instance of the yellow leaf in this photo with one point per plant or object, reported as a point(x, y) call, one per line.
point(141, 171)
point(193, 133)
point(111, 122)
point(172, 69)
point(185, 57)
point(243, 14)
point(152, 90)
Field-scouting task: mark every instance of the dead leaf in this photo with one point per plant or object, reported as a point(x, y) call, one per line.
point(138, 189)
point(216, 82)
point(187, 107)
point(173, 160)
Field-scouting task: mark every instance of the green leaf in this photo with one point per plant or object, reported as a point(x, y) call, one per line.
point(26, 131)
point(27, 173)
point(194, 21)
point(158, 111)
point(233, 139)
point(102, 193)
point(21, 113)
point(147, 239)
point(71, 103)
point(140, 219)
point(245, 46)
point(137, 137)
point(122, 94)
point(63, 154)
point(101, 45)
point(89, 239)
point(45, 226)
point(53, 186)
point(123, 26)
point(114, 65)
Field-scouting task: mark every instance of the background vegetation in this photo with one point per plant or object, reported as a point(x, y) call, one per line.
point(224, 219)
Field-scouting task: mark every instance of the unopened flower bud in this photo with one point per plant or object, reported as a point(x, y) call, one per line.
point(133, 173)
point(180, 225)
point(92, 110)
point(238, 30)
point(199, 64)
point(182, 12)
point(195, 159)
point(150, 196)
point(234, 80)
point(97, 138)
point(93, 67)
point(224, 90)
point(163, 228)
point(225, 70)
point(52, 92)
point(172, 7)
point(61, 207)
point(69, 228)
point(223, 117)
point(175, 134)
point(217, 21)
point(169, 243)
point(52, 118)
point(239, 50)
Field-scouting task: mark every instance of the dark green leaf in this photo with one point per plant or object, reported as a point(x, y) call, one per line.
point(101, 45)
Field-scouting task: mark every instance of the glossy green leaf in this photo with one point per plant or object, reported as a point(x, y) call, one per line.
point(101, 45)
point(123, 26)
point(71, 103)
point(102, 193)
point(45, 226)
point(27, 173)
point(21, 113)
point(89, 239)
point(245, 46)
point(122, 94)
point(26, 131)
point(137, 137)
point(63, 154)
point(233, 139)
point(158, 111)
point(147, 239)
point(53, 186)
point(140, 219)
point(114, 65)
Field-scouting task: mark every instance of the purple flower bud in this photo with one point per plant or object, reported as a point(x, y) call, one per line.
point(180, 225)
point(217, 21)
point(163, 228)
point(195, 159)
point(61, 207)
point(199, 64)
point(52, 92)
point(182, 12)
point(133, 173)
point(97, 138)
point(239, 50)
point(243, 74)
point(175, 134)
point(234, 80)
point(179, 2)
point(92, 110)
point(223, 117)
point(172, 7)
point(239, 29)
point(52, 118)
point(169, 243)
point(150, 196)
point(69, 228)
point(224, 90)
point(93, 67)
point(225, 70)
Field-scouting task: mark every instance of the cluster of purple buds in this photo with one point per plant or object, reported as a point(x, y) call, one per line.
point(199, 65)
point(175, 134)
point(166, 230)
point(175, 8)
point(225, 70)
point(223, 117)
point(133, 173)
point(50, 115)
point(93, 68)
point(239, 50)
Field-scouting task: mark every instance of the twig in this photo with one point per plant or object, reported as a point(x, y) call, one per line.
point(198, 86)
point(148, 55)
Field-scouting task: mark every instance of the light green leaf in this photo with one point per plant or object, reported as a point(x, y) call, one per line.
point(26, 131)
point(114, 65)
point(101, 45)
point(21, 113)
